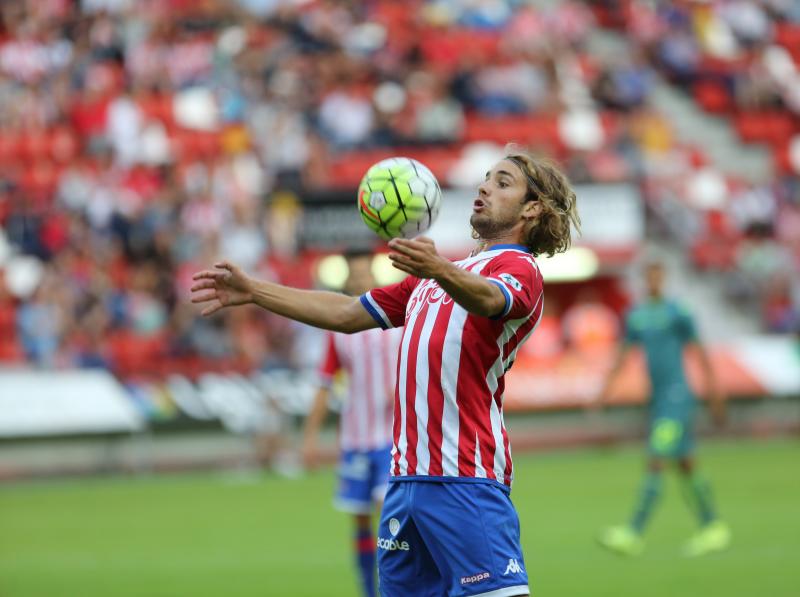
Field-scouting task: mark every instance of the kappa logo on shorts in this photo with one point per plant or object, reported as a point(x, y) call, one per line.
point(467, 580)
point(513, 567)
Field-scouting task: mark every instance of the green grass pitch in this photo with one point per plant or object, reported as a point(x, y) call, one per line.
point(222, 535)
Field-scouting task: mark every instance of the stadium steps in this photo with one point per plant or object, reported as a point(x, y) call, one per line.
point(714, 134)
point(718, 321)
point(692, 125)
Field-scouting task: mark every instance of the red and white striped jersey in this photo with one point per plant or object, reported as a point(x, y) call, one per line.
point(448, 408)
point(370, 360)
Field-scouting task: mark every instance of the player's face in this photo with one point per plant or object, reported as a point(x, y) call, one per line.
point(359, 278)
point(500, 206)
point(654, 277)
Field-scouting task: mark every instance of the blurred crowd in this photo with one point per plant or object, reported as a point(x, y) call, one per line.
point(738, 59)
point(143, 139)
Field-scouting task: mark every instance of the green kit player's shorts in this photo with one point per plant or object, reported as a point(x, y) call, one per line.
point(671, 436)
point(672, 422)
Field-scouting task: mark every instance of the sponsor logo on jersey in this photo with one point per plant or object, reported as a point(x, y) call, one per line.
point(513, 567)
point(511, 281)
point(467, 580)
point(428, 291)
point(393, 544)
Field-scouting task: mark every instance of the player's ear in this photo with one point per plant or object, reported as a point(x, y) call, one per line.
point(531, 210)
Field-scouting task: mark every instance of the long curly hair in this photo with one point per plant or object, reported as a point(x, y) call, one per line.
point(551, 232)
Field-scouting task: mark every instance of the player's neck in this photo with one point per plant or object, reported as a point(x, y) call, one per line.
point(504, 239)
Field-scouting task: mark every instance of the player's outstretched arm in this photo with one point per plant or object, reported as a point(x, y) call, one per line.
point(474, 293)
point(228, 286)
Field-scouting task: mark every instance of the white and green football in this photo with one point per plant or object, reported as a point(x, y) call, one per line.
point(399, 197)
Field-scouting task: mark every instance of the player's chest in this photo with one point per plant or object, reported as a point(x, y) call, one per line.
point(429, 293)
point(655, 324)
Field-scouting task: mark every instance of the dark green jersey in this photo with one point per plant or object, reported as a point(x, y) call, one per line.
point(663, 328)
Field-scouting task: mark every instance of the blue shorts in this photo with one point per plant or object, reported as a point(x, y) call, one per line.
point(449, 538)
point(363, 477)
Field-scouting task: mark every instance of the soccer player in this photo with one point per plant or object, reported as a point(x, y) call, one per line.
point(663, 329)
point(369, 360)
point(448, 526)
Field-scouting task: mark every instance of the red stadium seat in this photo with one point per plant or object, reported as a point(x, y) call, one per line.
point(445, 47)
point(788, 35)
point(63, 144)
point(8, 315)
point(782, 160)
point(347, 169)
point(773, 128)
point(717, 248)
point(10, 145)
point(11, 351)
point(35, 145)
point(193, 145)
point(39, 181)
point(713, 97)
point(157, 107)
point(133, 354)
point(538, 130)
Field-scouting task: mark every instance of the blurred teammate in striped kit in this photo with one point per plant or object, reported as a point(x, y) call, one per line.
point(369, 361)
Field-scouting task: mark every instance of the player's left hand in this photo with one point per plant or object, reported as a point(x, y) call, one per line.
point(417, 257)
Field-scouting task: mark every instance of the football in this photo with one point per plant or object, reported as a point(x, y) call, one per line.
point(399, 197)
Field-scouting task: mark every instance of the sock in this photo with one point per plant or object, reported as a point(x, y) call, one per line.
point(365, 552)
point(648, 496)
point(697, 492)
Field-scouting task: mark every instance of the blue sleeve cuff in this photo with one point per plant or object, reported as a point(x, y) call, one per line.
point(368, 303)
point(508, 297)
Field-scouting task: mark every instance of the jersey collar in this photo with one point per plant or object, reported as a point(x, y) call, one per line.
point(508, 246)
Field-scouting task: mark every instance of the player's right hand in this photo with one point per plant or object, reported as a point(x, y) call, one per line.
point(225, 286)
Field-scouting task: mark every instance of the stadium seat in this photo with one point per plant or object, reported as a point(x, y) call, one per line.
point(788, 35)
point(157, 107)
point(194, 145)
point(11, 351)
point(782, 160)
point(445, 48)
point(10, 146)
point(713, 97)
point(773, 128)
point(717, 248)
point(347, 169)
point(532, 130)
point(8, 316)
point(63, 144)
point(35, 145)
point(132, 354)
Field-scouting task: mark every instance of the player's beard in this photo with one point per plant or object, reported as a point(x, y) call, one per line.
point(488, 227)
